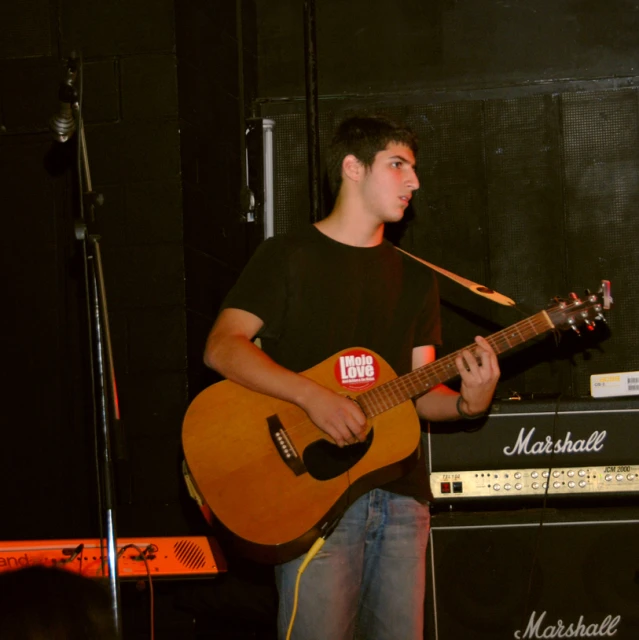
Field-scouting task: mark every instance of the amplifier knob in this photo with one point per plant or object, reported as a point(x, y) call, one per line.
point(518, 486)
point(535, 485)
point(582, 483)
point(534, 474)
point(496, 487)
point(545, 474)
point(507, 487)
point(571, 473)
point(556, 474)
point(608, 477)
point(556, 485)
point(518, 475)
point(619, 477)
point(631, 476)
point(571, 484)
point(582, 473)
point(545, 485)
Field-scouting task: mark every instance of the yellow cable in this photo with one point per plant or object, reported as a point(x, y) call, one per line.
point(317, 545)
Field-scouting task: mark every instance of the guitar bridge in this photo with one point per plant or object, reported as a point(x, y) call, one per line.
point(285, 446)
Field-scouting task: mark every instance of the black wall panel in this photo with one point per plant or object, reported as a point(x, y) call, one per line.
point(371, 48)
point(26, 29)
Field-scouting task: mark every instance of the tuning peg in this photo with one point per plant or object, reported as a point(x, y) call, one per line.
point(590, 325)
point(576, 329)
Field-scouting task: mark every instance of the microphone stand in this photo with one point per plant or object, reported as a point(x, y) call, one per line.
point(106, 415)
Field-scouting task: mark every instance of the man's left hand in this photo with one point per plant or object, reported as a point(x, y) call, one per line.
point(479, 374)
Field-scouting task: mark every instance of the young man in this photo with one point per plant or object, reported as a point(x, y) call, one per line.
point(334, 285)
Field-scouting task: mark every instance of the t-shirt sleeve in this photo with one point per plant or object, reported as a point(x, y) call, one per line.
point(261, 287)
point(429, 330)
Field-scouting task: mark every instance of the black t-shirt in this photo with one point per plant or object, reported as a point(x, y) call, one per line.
point(317, 296)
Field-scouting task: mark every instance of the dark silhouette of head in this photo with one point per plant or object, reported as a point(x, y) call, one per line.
point(38, 603)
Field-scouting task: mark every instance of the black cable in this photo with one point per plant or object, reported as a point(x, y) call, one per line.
point(544, 504)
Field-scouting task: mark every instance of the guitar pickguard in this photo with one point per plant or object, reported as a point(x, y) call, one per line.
point(325, 460)
point(322, 460)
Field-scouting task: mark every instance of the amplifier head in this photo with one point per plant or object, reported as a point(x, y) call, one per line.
point(531, 447)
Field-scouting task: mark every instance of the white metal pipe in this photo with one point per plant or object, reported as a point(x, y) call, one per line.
point(269, 196)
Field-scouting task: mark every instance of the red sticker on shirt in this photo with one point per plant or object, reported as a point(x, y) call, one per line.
point(357, 370)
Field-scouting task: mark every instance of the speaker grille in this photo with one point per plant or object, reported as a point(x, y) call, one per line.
point(189, 554)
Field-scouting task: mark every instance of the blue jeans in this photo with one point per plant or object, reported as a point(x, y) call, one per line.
point(368, 580)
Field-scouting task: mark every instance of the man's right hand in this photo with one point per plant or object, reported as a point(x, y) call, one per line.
point(231, 352)
point(336, 415)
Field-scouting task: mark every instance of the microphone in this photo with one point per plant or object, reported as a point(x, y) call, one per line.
point(63, 123)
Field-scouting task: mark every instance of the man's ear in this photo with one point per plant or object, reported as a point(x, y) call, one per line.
point(352, 168)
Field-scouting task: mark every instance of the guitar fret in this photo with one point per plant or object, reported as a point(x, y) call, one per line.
point(500, 344)
point(507, 341)
point(375, 397)
point(384, 398)
point(402, 390)
point(390, 398)
point(531, 324)
point(362, 401)
point(415, 388)
point(522, 336)
point(518, 333)
point(367, 400)
point(375, 406)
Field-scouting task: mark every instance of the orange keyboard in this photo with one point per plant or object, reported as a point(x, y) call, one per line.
point(188, 556)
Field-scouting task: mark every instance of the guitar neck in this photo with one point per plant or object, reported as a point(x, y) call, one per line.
point(421, 380)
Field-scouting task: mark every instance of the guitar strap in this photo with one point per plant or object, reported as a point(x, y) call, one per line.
point(478, 289)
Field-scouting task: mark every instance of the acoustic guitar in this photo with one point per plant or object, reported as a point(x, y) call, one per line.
point(276, 482)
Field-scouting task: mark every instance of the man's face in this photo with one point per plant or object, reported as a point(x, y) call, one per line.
point(389, 183)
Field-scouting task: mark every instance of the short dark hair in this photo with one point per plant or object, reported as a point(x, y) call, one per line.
point(364, 136)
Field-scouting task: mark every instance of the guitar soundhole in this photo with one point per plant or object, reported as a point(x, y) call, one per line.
point(325, 460)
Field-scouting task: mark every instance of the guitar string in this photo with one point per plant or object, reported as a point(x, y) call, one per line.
point(401, 389)
point(419, 381)
point(398, 390)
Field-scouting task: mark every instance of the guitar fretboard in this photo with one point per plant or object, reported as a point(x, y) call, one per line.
point(421, 380)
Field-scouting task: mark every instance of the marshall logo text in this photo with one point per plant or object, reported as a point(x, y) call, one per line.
point(526, 446)
point(607, 628)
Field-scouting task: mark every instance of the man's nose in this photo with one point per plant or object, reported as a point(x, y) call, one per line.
point(413, 181)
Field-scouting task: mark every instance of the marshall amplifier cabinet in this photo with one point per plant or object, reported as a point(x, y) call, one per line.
point(515, 575)
point(535, 449)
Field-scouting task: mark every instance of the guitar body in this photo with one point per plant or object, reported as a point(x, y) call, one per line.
point(275, 481)
point(272, 478)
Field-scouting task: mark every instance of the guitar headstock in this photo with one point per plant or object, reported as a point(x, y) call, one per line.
point(575, 312)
